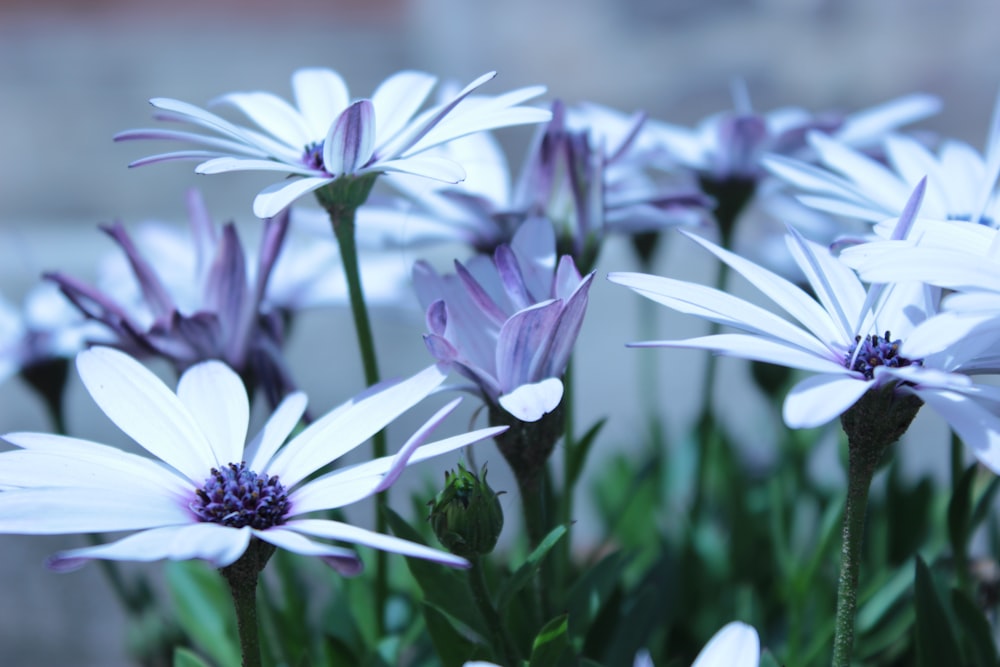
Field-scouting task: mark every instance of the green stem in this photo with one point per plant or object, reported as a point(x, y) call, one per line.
point(861, 469)
point(341, 204)
point(570, 465)
point(242, 578)
point(502, 643)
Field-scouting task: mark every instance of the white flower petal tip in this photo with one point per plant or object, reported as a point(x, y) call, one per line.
point(345, 566)
point(531, 402)
point(735, 645)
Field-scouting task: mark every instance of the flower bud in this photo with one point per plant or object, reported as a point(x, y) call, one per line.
point(466, 516)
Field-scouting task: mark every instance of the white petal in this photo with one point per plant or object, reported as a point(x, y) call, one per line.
point(735, 645)
point(343, 560)
point(335, 434)
point(397, 99)
point(221, 165)
point(821, 398)
point(274, 115)
point(437, 168)
point(321, 95)
point(54, 460)
point(335, 530)
point(864, 127)
point(978, 427)
point(217, 544)
point(270, 201)
point(142, 406)
point(757, 348)
point(216, 397)
point(343, 487)
point(531, 402)
point(281, 423)
point(53, 511)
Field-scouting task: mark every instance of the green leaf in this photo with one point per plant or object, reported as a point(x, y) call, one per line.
point(452, 648)
point(580, 451)
point(768, 660)
point(934, 637)
point(959, 510)
point(977, 634)
point(184, 657)
point(204, 610)
point(551, 642)
point(985, 503)
point(443, 588)
point(520, 578)
point(592, 590)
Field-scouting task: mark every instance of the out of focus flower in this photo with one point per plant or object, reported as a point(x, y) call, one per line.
point(586, 182)
point(195, 301)
point(508, 323)
point(326, 136)
point(208, 493)
point(47, 328)
point(731, 144)
point(961, 182)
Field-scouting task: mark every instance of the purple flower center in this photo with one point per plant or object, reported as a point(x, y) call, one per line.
point(876, 351)
point(237, 497)
point(313, 155)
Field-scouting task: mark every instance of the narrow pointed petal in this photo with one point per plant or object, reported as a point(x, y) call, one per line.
point(277, 429)
point(216, 544)
point(344, 561)
point(402, 457)
point(221, 165)
point(217, 399)
point(343, 487)
point(429, 166)
point(351, 141)
point(145, 410)
point(335, 530)
point(864, 127)
point(531, 402)
point(349, 428)
point(978, 427)
point(271, 200)
point(757, 348)
point(821, 398)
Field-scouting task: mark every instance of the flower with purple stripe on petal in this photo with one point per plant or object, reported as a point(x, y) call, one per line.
point(209, 493)
point(508, 323)
point(326, 136)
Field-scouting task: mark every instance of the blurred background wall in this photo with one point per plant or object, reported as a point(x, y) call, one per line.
point(73, 73)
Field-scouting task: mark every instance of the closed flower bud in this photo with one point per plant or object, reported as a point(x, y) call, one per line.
point(466, 516)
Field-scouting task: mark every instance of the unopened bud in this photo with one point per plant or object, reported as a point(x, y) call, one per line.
point(466, 516)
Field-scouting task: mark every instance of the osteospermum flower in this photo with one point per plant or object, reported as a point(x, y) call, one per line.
point(961, 182)
point(208, 492)
point(326, 135)
point(852, 340)
point(203, 299)
point(508, 323)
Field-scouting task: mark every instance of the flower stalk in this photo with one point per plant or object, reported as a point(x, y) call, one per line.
point(242, 578)
point(342, 198)
point(878, 419)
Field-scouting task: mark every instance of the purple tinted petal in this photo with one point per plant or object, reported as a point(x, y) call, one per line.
point(568, 328)
point(226, 293)
point(440, 348)
point(352, 138)
point(480, 299)
point(335, 530)
point(153, 291)
point(510, 276)
point(522, 349)
point(437, 317)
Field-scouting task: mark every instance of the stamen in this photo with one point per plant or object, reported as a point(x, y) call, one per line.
point(875, 351)
point(313, 155)
point(237, 497)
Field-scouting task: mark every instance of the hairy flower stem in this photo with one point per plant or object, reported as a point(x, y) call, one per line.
point(878, 419)
point(341, 199)
point(242, 578)
point(501, 641)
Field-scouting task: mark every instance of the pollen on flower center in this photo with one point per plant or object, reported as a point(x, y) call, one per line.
point(313, 155)
point(876, 351)
point(236, 497)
